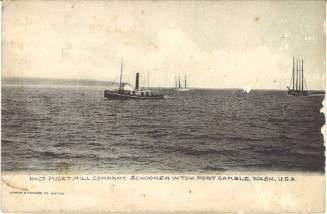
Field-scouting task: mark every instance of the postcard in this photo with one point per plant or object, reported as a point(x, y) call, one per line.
point(163, 106)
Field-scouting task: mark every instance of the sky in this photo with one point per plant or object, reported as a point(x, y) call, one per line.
point(216, 44)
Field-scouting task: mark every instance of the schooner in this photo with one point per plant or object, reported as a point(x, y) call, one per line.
point(178, 86)
point(298, 86)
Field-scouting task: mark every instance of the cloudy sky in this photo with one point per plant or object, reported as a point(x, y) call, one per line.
point(217, 44)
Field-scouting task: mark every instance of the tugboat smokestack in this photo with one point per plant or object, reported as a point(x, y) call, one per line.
point(137, 81)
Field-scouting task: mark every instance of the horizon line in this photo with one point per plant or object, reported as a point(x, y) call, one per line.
point(116, 82)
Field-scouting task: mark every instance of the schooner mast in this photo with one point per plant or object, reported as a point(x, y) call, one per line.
point(302, 77)
point(179, 85)
point(185, 80)
point(298, 75)
point(121, 75)
point(297, 82)
point(293, 74)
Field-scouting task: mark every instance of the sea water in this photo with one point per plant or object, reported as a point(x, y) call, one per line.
point(74, 128)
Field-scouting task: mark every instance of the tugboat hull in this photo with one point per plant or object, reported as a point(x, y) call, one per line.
point(114, 95)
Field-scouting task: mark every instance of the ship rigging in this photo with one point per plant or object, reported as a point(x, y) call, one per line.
point(298, 86)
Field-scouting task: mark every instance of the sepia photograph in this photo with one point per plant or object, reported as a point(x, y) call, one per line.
point(149, 90)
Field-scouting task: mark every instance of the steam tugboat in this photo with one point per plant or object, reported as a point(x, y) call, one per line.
point(297, 84)
point(127, 92)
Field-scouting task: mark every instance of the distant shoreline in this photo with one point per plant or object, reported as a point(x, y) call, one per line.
point(57, 82)
point(50, 81)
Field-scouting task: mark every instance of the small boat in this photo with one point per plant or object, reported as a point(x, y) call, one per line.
point(298, 86)
point(127, 92)
point(178, 86)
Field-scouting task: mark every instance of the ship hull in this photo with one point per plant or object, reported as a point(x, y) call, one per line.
point(297, 93)
point(113, 95)
point(181, 89)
